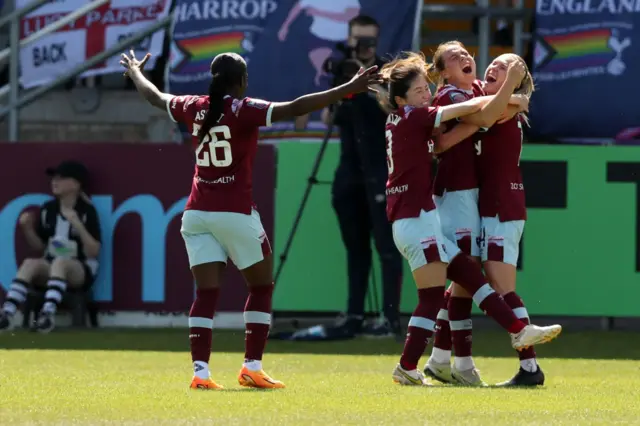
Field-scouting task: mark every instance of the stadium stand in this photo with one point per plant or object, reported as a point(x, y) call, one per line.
point(455, 20)
point(95, 109)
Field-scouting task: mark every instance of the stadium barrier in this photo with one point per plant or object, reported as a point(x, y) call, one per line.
point(139, 192)
point(580, 252)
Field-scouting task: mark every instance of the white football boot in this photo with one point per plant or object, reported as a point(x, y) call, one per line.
point(439, 371)
point(533, 335)
point(409, 378)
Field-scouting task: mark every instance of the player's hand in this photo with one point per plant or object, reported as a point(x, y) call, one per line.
point(516, 72)
point(364, 80)
point(132, 64)
point(26, 220)
point(506, 116)
point(522, 102)
point(69, 214)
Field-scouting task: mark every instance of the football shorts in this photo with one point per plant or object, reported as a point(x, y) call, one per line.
point(218, 236)
point(500, 241)
point(420, 240)
point(458, 211)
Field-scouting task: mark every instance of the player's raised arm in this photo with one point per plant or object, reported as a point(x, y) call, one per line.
point(146, 88)
point(316, 101)
point(474, 122)
point(451, 112)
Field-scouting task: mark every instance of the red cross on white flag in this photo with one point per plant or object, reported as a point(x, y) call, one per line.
point(101, 28)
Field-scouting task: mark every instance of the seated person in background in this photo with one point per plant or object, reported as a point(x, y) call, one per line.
point(67, 232)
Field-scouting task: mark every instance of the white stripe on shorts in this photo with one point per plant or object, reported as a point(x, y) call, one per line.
point(200, 322)
point(482, 293)
point(420, 322)
point(256, 317)
point(521, 313)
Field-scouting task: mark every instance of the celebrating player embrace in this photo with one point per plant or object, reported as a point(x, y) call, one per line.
point(220, 220)
point(503, 211)
point(502, 206)
point(456, 197)
point(456, 189)
point(415, 222)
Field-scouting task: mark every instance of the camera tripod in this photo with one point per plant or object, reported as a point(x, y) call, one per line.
point(372, 294)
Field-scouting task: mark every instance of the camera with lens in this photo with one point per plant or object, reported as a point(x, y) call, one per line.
point(346, 67)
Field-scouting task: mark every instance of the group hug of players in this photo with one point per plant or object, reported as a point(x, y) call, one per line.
point(475, 207)
point(469, 219)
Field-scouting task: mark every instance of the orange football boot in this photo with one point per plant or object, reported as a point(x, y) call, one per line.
point(258, 379)
point(206, 384)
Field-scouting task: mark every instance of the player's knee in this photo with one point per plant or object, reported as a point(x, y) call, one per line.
point(504, 285)
point(458, 291)
point(502, 276)
point(31, 266)
point(431, 275)
point(208, 275)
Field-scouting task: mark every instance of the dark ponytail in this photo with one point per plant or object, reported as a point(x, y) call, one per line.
point(228, 71)
point(217, 91)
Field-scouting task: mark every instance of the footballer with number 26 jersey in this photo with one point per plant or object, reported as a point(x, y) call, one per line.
point(219, 222)
point(224, 162)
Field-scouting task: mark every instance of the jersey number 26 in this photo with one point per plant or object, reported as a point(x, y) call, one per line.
point(214, 145)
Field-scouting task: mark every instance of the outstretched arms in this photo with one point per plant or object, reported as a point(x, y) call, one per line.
point(315, 101)
point(146, 88)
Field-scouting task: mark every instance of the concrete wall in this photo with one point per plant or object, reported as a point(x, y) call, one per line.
point(91, 115)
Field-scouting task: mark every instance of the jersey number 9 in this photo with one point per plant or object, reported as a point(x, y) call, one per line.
point(212, 147)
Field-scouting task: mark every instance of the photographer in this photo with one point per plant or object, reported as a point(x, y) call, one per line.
point(358, 192)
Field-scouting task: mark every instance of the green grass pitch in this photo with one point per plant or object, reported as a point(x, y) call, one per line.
point(141, 377)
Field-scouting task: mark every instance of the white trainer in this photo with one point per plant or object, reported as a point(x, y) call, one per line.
point(440, 371)
point(533, 335)
point(410, 378)
point(470, 377)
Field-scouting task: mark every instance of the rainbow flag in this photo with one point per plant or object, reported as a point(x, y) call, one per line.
point(200, 51)
point(579, 50)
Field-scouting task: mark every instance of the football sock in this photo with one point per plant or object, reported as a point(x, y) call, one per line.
point(53, 297)
point(463, 363)
point(421, 326)
point(461, 325)
point(442, 343)
point(201, 369)
point(257, 319)
point(254, 365)
point(464, 271)
point(200, 329)
point(15, 297)
point(527, 356)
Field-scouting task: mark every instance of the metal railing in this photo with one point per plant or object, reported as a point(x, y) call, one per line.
point(484, 12)
point(13, 52)
point(54, 26)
